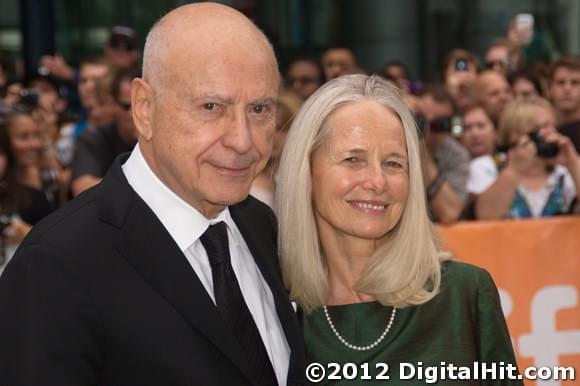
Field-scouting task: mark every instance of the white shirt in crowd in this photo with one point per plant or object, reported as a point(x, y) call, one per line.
point(483, 172)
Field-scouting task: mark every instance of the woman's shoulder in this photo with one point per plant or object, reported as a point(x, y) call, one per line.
point(464, 276)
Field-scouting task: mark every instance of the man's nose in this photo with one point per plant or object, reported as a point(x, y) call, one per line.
point(238, 134)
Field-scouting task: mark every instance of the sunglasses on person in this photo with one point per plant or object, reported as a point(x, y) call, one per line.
point(496, 63)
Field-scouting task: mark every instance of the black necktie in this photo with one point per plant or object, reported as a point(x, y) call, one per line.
point(233, 308)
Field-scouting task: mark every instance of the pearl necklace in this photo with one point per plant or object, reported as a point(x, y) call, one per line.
point(360, 348)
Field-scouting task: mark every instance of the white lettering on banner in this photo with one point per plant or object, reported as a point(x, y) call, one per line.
point(545, 343)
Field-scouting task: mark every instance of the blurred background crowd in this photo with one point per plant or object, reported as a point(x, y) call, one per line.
point(495, 89)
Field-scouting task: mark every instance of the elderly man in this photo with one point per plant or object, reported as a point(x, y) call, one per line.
point(165, 273)
point(493, 92)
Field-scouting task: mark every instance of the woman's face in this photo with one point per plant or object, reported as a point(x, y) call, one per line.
point(523, 88)
point(479, 133)
point(26, 140)
point(543, 121)
point(360, 179)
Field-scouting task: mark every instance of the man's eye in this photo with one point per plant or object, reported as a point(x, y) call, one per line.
point(209, 106)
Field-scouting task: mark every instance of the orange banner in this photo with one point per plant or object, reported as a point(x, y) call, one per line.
point(536, 266)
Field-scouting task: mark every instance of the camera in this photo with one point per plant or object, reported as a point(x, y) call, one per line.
point(543, 148)
point(29, 97)
point(461, 64)
point(452, 125)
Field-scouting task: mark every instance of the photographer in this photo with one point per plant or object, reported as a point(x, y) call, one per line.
point(445, 161)
point(459, 72)
point(542, 173)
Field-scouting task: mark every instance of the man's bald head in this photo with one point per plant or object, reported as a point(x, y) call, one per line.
point(493, 92)
point(206, 108)
point(207, 29)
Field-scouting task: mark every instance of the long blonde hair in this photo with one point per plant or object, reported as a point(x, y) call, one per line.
point(406, 269)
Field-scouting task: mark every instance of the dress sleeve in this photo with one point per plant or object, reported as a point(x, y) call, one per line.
point(493, 339)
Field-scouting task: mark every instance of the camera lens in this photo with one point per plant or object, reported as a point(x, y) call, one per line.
point(543, 148)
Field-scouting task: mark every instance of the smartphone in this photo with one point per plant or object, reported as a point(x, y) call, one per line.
point(524, 25)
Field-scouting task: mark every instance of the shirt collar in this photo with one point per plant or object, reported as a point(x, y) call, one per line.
point(184, 223)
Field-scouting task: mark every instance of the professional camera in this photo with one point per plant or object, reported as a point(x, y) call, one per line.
point(29, 97)
point(452, 125)
point(544, 149)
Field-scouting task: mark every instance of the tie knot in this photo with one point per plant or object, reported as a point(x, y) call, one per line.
point(215, 242)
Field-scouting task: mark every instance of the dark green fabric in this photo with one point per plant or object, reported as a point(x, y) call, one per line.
point(462, 324)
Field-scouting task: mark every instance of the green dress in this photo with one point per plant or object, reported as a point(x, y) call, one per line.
point(463, 324)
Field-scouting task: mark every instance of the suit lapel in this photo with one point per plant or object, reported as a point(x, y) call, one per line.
point(265, 254)
point(148, 247)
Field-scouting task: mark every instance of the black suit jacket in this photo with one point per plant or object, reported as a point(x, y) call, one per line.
point(100, 294)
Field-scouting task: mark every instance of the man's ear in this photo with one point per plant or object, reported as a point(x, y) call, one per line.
point(142, 103)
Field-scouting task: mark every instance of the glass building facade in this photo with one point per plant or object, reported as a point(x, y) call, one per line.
point(415, 32)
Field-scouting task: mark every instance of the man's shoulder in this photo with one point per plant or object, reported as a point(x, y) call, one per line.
point(254, 207)
point(451, 145)
point(451, 155)
point(67, 225)
point(97, 137)
point(255, 214)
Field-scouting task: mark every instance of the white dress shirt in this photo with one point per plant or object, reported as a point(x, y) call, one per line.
point(186, 224)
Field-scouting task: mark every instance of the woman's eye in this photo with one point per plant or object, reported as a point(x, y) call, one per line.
point(393, 164)
point(209, 106)
point(259, 109)
point(351, 160)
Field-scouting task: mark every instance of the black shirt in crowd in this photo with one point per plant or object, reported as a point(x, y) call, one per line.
point(96, 150)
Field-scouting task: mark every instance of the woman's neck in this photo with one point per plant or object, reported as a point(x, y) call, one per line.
point(346, 258)
point(535, 176)
point(29, 176)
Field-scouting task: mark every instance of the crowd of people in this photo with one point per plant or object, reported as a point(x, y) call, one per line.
point(484, 127)
point(501, 139)
point(165, 270)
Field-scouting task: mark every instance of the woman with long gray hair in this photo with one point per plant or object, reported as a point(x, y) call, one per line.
point(359, 253)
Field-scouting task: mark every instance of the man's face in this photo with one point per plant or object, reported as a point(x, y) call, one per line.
point(431, 110)
point(494, 94)
point(88, 75)
point(212, 128)
point(125, 124)
point(121, 57)
point(12, 94)
point(398, 75)
point(460, 76)
point(565, 90)
point(47, 95)
point(303, 78)
point(337, 62)
point(497, 58)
